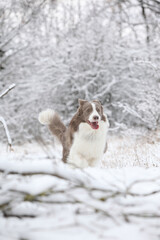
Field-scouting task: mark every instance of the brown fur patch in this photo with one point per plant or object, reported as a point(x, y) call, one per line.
point(57, 128)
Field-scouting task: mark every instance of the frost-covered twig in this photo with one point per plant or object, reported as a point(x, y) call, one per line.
point(130, 110)
point(2, 120)
point(7, 90)
point(6, 131)
point(7, 215)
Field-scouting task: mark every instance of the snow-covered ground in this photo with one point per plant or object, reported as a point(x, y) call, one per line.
point(41, 198)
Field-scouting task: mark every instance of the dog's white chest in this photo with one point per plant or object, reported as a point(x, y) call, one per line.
point(88, 145)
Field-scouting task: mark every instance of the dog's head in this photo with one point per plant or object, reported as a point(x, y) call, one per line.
point(91, 112)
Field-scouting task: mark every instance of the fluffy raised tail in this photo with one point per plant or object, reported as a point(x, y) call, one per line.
point(51, 118)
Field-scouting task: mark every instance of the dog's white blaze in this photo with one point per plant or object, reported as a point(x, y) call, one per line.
point(94, 113)
point(88, 145)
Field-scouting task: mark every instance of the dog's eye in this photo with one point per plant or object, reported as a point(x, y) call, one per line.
point(88, 110)
point(98, 110)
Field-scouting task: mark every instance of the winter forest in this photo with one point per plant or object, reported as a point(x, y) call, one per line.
point(52, 53)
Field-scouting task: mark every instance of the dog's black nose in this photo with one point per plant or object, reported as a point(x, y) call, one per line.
point(95, 117)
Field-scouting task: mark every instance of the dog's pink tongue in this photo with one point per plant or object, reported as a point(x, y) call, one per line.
point(94, 125)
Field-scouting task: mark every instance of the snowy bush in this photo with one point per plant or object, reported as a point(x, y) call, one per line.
point(44, 200)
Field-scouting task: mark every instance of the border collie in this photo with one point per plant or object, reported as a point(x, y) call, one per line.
point(84, 141)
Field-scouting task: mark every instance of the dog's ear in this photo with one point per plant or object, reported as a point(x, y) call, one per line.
point(97, 101)
point(81, 102)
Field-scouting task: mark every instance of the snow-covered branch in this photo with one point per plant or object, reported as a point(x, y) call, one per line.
point(6, 131)
point(7, 90)
point(2, 120)
point(42, 188)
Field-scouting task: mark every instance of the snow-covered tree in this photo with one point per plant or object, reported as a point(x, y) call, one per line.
point(59, 51)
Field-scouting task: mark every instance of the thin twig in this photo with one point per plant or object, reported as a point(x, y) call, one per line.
point(6, 131)
point(7, 90)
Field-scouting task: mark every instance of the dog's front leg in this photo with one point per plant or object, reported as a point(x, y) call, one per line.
point(77, 160)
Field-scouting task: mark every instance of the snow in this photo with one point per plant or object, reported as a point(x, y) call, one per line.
point(42, 198)
point(127, 232)
point(56, 52)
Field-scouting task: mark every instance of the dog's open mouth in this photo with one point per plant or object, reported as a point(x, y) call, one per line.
point(94, 125)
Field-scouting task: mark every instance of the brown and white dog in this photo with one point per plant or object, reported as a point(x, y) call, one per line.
point(84, 141)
